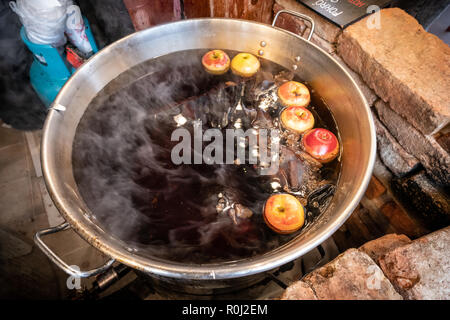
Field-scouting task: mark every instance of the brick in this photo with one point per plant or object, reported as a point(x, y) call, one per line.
point(377, 222)
point(289, 22)
point(352, 275)
point(360, 232)
point(363, 225)
point(444, 140)
point(324, 29)
point(298, 291)
point(375, 188)
point(368, 93)
point(393, 155)
point(423, 199)
point(432, 156)
point(420, 270)
point(325, 45)
point(401, 220)
point(405, 65)
point(377, 248)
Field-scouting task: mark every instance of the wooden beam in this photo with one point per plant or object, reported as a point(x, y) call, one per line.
point(147, 13)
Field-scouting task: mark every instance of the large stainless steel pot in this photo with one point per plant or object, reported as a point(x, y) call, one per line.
point(325, 75)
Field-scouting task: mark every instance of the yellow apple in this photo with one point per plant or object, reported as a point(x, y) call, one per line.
point(245, 64)
point(284, 213)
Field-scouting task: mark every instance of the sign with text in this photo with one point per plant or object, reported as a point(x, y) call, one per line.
point(344, 12)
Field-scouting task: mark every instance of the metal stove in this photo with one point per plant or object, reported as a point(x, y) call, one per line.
point(125, 283)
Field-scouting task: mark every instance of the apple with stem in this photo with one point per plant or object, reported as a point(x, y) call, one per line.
point(293, 93)
point(297, 119)
point(284, 213)
point(216, 62)
point(321, 144)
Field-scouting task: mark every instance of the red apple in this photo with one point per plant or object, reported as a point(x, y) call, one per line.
point(284, 213)
point(216, 62)
point(297, 119)
point(245, 64)
point(321, 144)
point(293, 93)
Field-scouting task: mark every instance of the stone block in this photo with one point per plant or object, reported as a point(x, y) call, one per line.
point(393, 155)
point(423, 199)
point(298, 291)
point(368, 93)
point(352, 275)
point(420, 270)
point(430, 154)
point(405, 65)
point(379, 247)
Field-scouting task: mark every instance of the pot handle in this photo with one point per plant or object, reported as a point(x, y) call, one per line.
point(298, 15)
point(57, 260)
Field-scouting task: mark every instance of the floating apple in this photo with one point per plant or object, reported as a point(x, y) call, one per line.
point(245, 64)
point(297, 119)
point(293, 93)
point(321, 144)
point(216, 62)
point(284, 213)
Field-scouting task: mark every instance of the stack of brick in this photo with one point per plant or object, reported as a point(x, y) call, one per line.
point(389, 268)
point(404, 73)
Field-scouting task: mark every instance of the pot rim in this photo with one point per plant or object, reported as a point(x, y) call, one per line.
point(213, 271)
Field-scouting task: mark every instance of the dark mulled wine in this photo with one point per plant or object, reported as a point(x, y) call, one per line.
point(192, 213)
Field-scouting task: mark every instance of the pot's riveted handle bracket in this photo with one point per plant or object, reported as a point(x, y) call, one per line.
point(298, 15)
point(57, 260)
